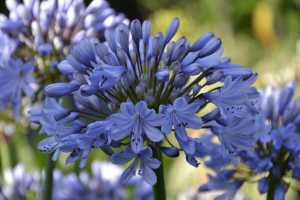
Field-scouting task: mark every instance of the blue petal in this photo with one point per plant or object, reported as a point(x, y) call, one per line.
point(120, 158)
point(148, 174)
point(153, 134)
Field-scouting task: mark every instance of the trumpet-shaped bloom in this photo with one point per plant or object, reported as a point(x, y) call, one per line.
point(135, 121)
point(147, 162)
point(181, 115)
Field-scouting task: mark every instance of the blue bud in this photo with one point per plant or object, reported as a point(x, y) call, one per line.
point(170, 49)
point(100, 50)
point(45, 49)
point(180, 41)
point(136, 31)
point(88, 90)
point(213, 115)
point(179, 80)
point(118, 86)
point(129, 77)
point(122, 56)
point(112, 106)
point(178, 52)
point(139, 90)
point(76, 65)
point(263, 185)
point(61, 20)
point(279, 192)
point(237, 72)
point(106, 149)
point(81, 100)
point(171, 152)
point(146, 31)
point(124, 82)
point(215, 77)
point(144, 78)
point(196, 89)
point(65, 68)
point(173, 95)
point(175, 66)
point(56, 90)
point(202, 41)
point(286, 96)
point(111, 59)
point(187, 97)
point(171, 31)
point(192, 69)
point(211, 47)
point(149, 99)
point(110, 38)
point(80, 78)
point(287, 116)
point(157, 44)
point(87, 48)
point(80, 56)
point(163, 75)
point(123, 37)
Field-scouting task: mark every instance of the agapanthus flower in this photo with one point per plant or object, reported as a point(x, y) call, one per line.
point(134, 88)
point(46, 31)
point(101, 183)
point(15, 79)
point(276, 139)
point(147, 162)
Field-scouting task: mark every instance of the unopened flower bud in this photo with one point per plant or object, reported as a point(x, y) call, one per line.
point(140, 88)
point(118, 86)
point(146, 31)
point(171, 31)
point(170, 48)
point(202, 41)
point(215, 77)
point(100, 50)
point(124, 82)
point(122, 56)
point(133, 58)
point(112, 106)
point(179, 80)
point(149, 99)
point(187, 97)
point(192, 69)
point(144, 78)
point(80, 78)
point(211, 47)
point(175, 66)
point(129, 77)
point(136, 31)
point(173, 95)
point(196, 89)
point(177, 53)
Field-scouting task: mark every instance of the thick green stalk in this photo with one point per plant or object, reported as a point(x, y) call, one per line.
point(272, 186)
point(49, 177)
point(159, 191)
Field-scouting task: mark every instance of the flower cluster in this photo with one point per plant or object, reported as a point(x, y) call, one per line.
point(136, 89)
point(101, 184)
point(44, 32)
point(276, 153)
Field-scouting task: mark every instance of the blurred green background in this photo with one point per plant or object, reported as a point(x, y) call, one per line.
point(254, 32)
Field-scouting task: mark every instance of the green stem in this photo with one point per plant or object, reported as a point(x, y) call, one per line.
point(159, 191)
point(49, 177)
point(272, 186)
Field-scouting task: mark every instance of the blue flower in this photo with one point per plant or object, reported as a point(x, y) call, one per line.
point(135, 121)
point(15, 78)
point(279, 192)
point(283, 136)
point(107, 76)
point(181, 115)
point(229, 98)
point(232, 137)
point(147, 162)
